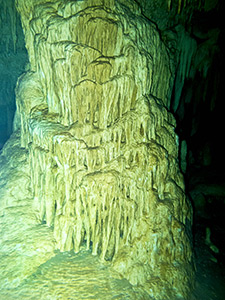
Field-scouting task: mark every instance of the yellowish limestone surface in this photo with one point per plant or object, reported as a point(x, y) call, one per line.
point(30, 268)
point(102, 145)
point(24, 244)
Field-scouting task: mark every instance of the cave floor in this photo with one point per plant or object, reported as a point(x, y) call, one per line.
point(70, 276)
point(206, 187)
point(80, 276)
point(83, 276)
point(210, 273)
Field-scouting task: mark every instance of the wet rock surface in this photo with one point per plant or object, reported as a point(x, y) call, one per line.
point(98, 172)
point(101, 142)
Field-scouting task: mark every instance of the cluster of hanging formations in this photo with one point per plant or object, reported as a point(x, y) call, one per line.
point(102, 147)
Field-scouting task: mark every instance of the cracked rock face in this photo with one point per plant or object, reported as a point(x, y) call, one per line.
point(102, 147)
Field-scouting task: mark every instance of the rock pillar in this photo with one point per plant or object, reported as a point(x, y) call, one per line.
point(102, 147)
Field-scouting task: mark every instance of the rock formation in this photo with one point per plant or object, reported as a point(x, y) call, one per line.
point(24, 244)
point(94, 115)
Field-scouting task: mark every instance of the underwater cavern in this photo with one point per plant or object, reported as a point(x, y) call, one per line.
point(112, 181)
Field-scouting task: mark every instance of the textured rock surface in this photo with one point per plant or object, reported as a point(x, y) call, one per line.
point(74, 276)
point(101, 142)
point(30, 268)
point(24, 245)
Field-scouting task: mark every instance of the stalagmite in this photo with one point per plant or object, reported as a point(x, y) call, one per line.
point(102, 144)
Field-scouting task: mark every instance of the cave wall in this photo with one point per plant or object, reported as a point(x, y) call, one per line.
point(13, 58)
point(200, 108)
point(194, 33)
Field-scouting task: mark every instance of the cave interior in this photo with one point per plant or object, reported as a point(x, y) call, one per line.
point(196, 102)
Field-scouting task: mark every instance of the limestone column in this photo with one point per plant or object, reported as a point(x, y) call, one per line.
point(102, 145)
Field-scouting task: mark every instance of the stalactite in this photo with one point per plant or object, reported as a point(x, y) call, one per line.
point(182, 4)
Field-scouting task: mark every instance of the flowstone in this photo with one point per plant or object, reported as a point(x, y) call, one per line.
point(102, 147)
